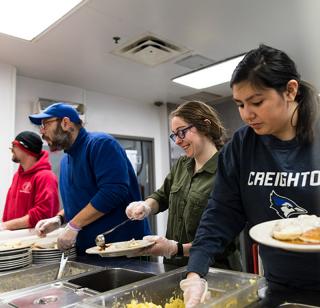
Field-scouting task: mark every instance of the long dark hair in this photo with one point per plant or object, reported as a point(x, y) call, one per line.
point(267, 67)
point(204, 118)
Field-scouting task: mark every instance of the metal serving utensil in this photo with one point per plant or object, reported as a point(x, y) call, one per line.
point(100, 239)
point(63, 263)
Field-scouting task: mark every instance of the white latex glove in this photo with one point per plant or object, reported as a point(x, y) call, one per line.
point(2, 226)
point(68, 237)
point(194, 291)
point(138, 210)
point(45, 226)
point(161, 247)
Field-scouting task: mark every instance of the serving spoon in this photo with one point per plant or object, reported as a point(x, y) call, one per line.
point(63, 263)
point(100, 239)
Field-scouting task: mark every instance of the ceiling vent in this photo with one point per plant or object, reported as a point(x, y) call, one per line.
point(43, 103)
point(206, 97)
point(149, 50)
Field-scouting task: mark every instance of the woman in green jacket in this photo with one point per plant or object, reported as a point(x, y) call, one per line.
point(197, 129)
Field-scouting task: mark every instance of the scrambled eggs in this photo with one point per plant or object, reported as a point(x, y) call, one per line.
point(173, 303)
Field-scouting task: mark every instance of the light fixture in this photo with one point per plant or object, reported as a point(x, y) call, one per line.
point(209, 76)
point(26, 19)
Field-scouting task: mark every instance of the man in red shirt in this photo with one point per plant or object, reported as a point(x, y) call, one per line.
point(33, 194)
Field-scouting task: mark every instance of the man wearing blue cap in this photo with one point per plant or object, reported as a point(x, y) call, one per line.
point(97, 181)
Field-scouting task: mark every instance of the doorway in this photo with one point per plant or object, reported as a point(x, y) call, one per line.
point(140, 152)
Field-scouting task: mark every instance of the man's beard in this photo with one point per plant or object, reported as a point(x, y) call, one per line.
point(15, 159)
point(61, 140)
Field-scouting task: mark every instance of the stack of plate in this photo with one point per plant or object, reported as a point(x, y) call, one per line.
point(50, 255)
point(12, 258)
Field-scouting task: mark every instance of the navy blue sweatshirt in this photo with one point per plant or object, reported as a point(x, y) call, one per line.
point(261, 178)
point(96, 169)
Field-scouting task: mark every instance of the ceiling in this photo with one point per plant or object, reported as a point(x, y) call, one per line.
point(77, 51)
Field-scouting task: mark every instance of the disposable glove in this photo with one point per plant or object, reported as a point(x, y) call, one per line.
point(161, 247)
point(45, 226)
point(2, 226)
point(138, 210)
point(194, 291)
point(68, 237)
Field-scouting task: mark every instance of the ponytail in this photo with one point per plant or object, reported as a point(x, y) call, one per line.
point(308, 108)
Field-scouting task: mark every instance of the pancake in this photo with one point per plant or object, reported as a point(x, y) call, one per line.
point(311, 236)
point(287, 230)
point(304, 229)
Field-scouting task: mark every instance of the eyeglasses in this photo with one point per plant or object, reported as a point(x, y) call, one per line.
point(44, 125)
point(181, 133)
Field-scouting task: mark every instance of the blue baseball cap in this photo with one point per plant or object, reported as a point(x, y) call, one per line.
point(58, 110)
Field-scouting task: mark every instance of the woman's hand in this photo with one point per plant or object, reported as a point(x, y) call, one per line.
point(161, 247)
point(138, 210)
point(194, 290)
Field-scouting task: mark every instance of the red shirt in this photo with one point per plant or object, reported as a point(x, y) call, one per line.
point(33, 192)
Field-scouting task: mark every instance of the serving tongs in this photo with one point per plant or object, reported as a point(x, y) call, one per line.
point(100, 239)
point(63, 263)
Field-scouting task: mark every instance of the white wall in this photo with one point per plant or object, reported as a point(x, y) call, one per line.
point(7, 101)
point(106, 113)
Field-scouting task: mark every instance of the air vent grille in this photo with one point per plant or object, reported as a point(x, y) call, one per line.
point(150, 50)
point(43, 103)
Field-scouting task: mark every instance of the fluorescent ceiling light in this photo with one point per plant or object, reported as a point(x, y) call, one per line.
point(26, 19)
point(210, 76)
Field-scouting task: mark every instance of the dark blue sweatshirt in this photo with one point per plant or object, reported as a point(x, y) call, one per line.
point(96, 169)
point(261, 178)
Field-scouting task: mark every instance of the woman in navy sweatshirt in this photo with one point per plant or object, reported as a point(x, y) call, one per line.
point(268, 171)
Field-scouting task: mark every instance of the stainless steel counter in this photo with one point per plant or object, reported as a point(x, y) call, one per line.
point(273, 299)
point(138, 264)
point(34, 285)
point(269, 299)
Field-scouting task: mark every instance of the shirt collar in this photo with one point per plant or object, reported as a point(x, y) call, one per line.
point(210, 166)
point(78, 142)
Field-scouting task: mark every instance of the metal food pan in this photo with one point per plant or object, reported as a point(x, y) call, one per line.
point(109, 279)
point(41, 274)
point(227, 289)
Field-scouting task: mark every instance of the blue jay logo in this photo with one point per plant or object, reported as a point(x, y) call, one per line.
point(285, 207)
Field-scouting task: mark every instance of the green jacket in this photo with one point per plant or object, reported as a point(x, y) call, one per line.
point(185, 194)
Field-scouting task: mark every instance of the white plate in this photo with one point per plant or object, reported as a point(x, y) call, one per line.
point(262, 233)
point(15, 256)
point(27, 260)
point(13, 246)
point(119, 248)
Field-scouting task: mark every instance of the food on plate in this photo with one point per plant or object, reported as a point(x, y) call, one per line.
point(11, 245)
point(45, 245)
point(304, 229)
point(311, 236)
point(105, 245)
point(173, 303)
point(120, 245)
point(132, 243)
point(127, 244)
point(287, 230)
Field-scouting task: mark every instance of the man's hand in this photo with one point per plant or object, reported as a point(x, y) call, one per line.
point(2, 226)
point(194, 290)
point(45, 226)
point(138, 210)
point(68, 237)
